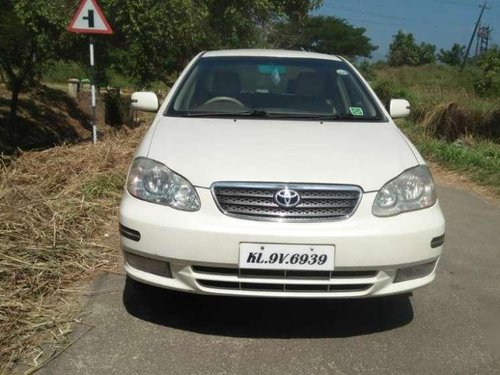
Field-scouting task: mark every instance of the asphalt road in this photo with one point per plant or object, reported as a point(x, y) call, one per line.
point(449, 327)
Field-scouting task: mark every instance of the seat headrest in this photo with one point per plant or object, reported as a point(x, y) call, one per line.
point(310, 84)
point(226, 84)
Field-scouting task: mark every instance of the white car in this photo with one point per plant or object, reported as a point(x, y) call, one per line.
point(278, 174)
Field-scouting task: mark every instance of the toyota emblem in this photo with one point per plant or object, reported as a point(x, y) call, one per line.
point(287, 198)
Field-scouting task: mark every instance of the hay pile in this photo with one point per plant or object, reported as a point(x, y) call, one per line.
point(54, 207)
point(450, 121)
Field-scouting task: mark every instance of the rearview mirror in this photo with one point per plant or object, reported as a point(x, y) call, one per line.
point(399, 108)
point(145, 101)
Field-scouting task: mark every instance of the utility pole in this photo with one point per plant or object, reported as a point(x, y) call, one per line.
point(483, 36)
point(483, 7)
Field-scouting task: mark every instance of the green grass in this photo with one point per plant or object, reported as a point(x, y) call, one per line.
point(103, 185)
point(472, 145)
point(430, 85)
point(58, 72)
point(61, 71)
point(477, 159)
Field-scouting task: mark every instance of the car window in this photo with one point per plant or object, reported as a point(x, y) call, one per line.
point(275, 87)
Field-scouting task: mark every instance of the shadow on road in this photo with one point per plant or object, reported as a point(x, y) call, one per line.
point(264, 317)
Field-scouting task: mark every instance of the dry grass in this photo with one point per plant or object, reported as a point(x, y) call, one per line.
point(450, 121)
point(54, 206)
point(443, 100)
point(445, 177)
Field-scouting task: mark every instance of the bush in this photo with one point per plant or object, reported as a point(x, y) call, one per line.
point(488, 83)
point(387, 90)
point(115, 107)
point(367, 70)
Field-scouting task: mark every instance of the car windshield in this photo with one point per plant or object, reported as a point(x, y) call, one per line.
point(270, 87)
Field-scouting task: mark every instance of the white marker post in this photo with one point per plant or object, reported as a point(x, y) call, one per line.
point(89, 19)
point(92, 87)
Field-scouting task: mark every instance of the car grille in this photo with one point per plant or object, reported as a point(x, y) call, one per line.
point(257, 201)
point(284, 281)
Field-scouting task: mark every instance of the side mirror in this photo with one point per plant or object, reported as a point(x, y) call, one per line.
point(145, 101)
point(399, 108)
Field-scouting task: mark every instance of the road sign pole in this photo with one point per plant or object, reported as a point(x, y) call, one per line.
point(89, 19)
point(93, 90)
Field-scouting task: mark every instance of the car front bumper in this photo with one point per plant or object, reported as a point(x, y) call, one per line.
point(201, 250)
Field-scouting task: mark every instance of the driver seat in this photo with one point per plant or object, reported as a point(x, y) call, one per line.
point(226, 84)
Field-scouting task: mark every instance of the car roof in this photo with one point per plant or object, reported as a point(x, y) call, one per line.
point(270, 53)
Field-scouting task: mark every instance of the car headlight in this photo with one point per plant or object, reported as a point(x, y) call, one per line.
point(411, 190)
point(152, 181)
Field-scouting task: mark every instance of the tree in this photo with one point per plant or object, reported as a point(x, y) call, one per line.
point(488, 83)
point(454, 56)
point(155, 39)
point(324, 34)
point(241, 24)
point(29, 35)
point(403, 50)
point(426, 53)
point(296, 11)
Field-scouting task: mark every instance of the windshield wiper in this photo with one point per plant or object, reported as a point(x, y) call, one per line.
point(247, 113)
point(340, 116)
point(319, 116)
point(284, 115)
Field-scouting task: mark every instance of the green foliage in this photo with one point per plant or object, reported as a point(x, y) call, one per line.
point(366, 69)
point(30, 33)
point(443, 98)
point(426, 53)
point(155, 39)
point(245, 24)
point(403, 50)
point(454, 56)
point(297, 10)
point(488, 82)
point(60, 71)
point(387, 90)
point(324, 34)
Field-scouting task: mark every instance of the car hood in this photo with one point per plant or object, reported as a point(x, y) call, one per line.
point(206, 150)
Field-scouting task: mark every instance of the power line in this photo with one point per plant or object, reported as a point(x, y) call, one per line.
point(379, 15)
point(401, 25)
point(454, 3)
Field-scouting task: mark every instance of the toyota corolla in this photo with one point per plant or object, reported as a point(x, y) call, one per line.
point(280, 174)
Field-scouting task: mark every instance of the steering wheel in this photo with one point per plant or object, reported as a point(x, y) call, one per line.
point(224, 99)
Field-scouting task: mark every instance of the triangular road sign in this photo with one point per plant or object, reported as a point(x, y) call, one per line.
point(89, 19)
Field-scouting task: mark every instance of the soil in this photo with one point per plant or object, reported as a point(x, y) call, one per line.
point(47, 117)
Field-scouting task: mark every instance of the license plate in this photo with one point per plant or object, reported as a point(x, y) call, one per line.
point(287, 257)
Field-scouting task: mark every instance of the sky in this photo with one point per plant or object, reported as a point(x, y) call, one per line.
point(439, 22)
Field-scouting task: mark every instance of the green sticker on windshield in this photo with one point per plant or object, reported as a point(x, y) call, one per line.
point(356, 111)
